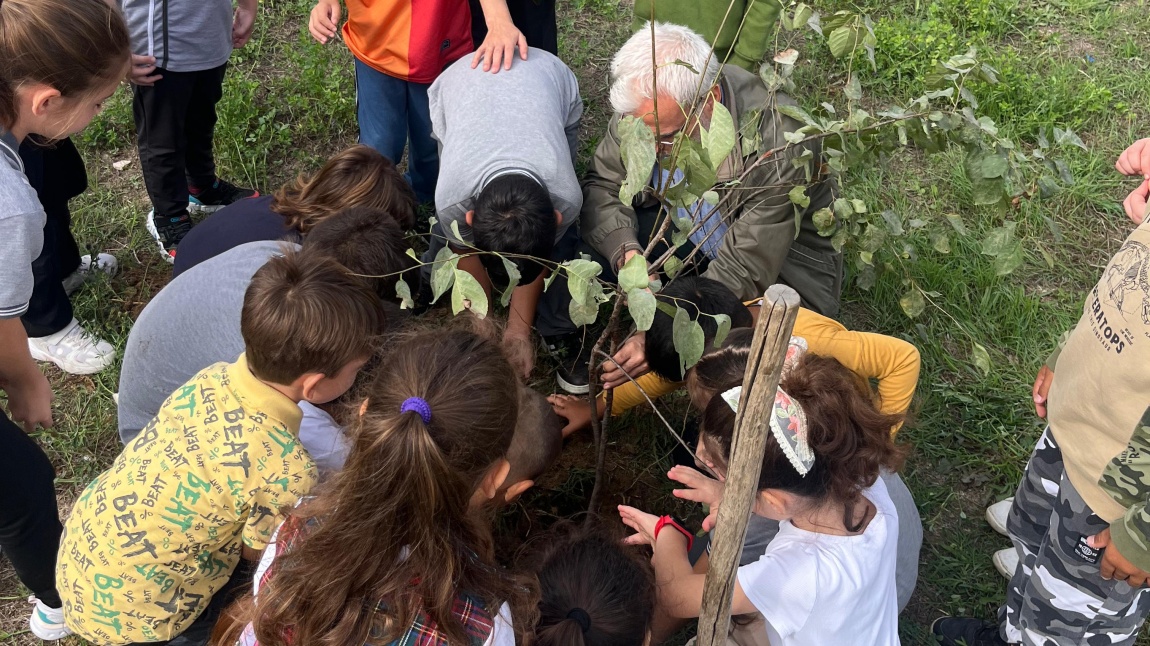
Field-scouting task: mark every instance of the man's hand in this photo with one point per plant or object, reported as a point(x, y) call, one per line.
point(324, 20)
point(140, 73)
point(1041, 389)
point(243, 22)
point(30, 401)
point(498, 49)
point(1135, 203)
point(1114, 566)
point(1135, 160)
point(700, 488)
point(519, 350)
point(631, 358)
point(640, 521)
point(573, 408)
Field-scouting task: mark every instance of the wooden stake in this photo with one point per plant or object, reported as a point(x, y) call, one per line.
point(752, 427)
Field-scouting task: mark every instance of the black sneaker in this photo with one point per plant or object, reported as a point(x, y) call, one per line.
point(217, 196)
point(168, 233)
point(574, 354)
point(966, 631)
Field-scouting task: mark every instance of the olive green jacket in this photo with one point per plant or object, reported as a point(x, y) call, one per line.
point(760, 247)
point(739, 30)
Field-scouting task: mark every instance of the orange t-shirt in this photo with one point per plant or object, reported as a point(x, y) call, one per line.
point(413, 40)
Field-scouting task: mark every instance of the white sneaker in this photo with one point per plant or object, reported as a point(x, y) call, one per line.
point(1006, 562)
point(105, 263)
point(74, 349)
point(997, 513)
point(47, 623)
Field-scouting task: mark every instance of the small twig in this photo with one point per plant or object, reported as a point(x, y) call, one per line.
point(599, 426)
point(655, 408)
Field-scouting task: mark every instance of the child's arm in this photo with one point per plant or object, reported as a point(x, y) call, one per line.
point(243, 22)
point(520, 320)
point(503, 38)
point(679, 587)
point(29, 394)
point(894, 363)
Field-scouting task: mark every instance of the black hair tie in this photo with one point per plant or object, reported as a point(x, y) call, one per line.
point(582, 618)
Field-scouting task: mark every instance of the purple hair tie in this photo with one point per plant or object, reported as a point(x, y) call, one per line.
point(418, 405)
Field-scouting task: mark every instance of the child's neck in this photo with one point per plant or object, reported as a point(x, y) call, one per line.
point(829, 518)
point(291, 392)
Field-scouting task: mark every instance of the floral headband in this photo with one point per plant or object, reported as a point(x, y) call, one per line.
point(788, 421)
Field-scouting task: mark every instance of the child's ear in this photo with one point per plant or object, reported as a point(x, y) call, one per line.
point(510, 494)
point(43, 98)
point(558, 218)
point(363, 406)
point(308, 384)
point(469, 217)
point(769, 503)
point(495, 478)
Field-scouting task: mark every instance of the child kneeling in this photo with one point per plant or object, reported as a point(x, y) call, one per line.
point(156, 537)
point(837, 542)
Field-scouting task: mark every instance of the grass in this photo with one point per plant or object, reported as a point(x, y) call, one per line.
point(289, 103)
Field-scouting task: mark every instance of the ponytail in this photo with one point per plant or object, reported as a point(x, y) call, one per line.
point(849, 437)
point(74, 46)
point(394, 535)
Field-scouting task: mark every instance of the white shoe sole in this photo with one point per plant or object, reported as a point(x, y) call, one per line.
point(1006, 562)
point(572, 389)
point(997, 521)
point(72, 367)
point(196, 207)
point(150, 225)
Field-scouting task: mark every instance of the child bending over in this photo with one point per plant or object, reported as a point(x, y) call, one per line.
point(397, 547)
point(537, 442)
point(152, 543)
point(828, 577)
point(593, 590)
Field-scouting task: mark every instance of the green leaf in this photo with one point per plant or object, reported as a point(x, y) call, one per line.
point(443, 274)
point(824, 220)
point(722, 329)
point(673, 266)
point(513, 277)
point(940, 242)
point(411, 252)
point(798, 196)
point(797, 113)
point(858, 205)
point(466, 288)
point(637, 147)
point(770, 77)
point(853, 89)
point(1068, 137)
point(980, 358)
point(893, 222)
point(994, 166)
point(1010, 259)
point(749, 134)
point(641, 305)
point(711, 197)
point(581, 281)
point(955, 221)
point(633, 275)
point(688, 338)
point(999, 240)
point(865, 277)
point(403, 292)
point(455, 231)
point(843, 40)
point(987, 191)
point(803, 13)
point(585, 313)
point(719, 139)
point(912, 302)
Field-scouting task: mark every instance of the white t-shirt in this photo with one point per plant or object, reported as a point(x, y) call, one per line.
point(502, 632)
point(822, 590)
point(323, 439)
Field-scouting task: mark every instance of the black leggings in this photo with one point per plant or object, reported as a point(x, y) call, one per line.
point(29, 521)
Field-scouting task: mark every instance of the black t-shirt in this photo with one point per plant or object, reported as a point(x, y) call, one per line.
point(249, 220)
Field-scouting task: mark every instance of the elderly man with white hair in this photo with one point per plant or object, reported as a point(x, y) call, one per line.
point(747, 242)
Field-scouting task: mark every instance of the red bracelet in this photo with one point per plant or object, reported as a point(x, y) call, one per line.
point(667, 521)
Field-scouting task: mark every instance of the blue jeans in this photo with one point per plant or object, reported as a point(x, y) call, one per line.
point(393, 114)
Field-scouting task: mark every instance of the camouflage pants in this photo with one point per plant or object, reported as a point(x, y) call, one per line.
point(1057, 596)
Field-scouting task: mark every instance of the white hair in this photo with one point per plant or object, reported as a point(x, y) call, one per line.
point(634, 68)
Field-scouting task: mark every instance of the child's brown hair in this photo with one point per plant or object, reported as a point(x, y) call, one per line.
point(304, 312)
point(356, 176)
point(538, 438)
point(74, 46)
point(594, 591)
point(370, 245)
point(849, 437)
point(395, 532)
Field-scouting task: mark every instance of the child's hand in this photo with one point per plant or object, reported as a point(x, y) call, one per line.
point(242, 24)
point(1135, 203)
point(1135, 160)
point(324, 21)
point(30, 401)
point(632, 358)
point(1114, 565)
point(1041, 389)
point(519, 349)
point(576, 410)
point(700, 488)
point(503, 37)
point(140, 73)
point(640, 521)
